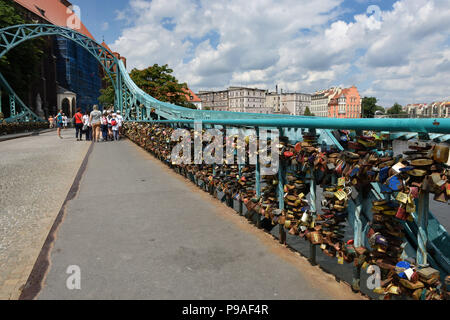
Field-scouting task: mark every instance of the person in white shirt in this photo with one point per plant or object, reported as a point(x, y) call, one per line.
point(87, 126)
point(65, 120)
point(120, 121)
point(115, 127)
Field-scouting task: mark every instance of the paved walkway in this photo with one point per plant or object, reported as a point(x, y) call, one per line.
point(36, 174)
point(24, 134)
point(137, 230)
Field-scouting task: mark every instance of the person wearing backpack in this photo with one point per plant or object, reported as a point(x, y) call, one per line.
point(95, 120)
point(110, 132)
point(104, 126)
point(78, 122)
point(115, 127)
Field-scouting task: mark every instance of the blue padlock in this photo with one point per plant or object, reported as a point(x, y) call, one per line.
point(383, 174)
point(401, 267)
point(395, 183)
point(354, 172)
point(385, 189)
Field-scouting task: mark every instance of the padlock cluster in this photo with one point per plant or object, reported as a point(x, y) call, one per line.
point(343, 176)
point(420, 169)
point(398, 276)
point(18, 127)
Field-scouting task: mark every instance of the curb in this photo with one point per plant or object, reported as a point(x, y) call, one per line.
point(23, 135)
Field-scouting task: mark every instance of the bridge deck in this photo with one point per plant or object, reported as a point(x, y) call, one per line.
point(139, 231)
point(36, 174)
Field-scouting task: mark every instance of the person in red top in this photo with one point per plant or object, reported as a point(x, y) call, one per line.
point(79, 124)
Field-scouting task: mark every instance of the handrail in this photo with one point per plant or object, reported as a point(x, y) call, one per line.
point(438, 125)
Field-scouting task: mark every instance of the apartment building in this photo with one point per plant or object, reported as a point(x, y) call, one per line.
point(295, 102)
point(214, 100)
point(292, 103)
point(273, 102)
point(235, 99)
point(337, 103)
point(250, 100)
point(319, 103)
point(427, 110)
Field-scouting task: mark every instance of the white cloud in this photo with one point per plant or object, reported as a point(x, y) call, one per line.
point(300, 45)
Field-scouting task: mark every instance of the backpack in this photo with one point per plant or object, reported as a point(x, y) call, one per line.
point(113, 122)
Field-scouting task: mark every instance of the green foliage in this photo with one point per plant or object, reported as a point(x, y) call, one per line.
point(108, 94)
point(369, 107)
point(20, 66)
point(308, 113)
point(158, 82)
point(396, 109)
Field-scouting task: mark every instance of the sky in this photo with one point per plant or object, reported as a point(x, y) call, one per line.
point(396, 51)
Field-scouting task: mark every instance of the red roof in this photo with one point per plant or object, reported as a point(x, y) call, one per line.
point(54, 11)
point(106, 46)
point(190, 94)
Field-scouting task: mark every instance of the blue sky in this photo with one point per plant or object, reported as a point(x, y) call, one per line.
point(391, 51)
point(100, 17)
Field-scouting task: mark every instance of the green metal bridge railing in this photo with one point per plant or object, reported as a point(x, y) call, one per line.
point(138, 106)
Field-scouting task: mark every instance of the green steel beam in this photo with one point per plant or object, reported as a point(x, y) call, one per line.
point(438, 125)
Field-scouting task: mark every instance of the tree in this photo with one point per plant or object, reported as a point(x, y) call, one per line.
point(396, 109)
point(369, 107)
point(158, 82)
point(308, 112)
point(20, 66)
point(108, 94)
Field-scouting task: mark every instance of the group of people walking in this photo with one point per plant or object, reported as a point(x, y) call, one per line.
point(95, 126)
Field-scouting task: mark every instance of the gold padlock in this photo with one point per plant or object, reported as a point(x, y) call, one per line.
point(440, 153)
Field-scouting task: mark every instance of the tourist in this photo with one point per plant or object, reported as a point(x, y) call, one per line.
point(95, 120)
point(110, 133)
point(115, 127)
point(120, 121)
point(65, 120)
point(104, 126)
point(50, 120)
point(79, 124)
point(87, 127)
point(59, 123)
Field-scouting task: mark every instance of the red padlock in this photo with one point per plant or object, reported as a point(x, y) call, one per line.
point(401, 213)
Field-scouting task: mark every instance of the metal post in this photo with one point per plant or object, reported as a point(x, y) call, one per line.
point(422, 223)
point(119, 90)
point(12, 105)
point(357, 236)
point(281, 177)
point(258, 175)
point(358, 223)
point(313, 208)
point(240, 207)
point(312, 205)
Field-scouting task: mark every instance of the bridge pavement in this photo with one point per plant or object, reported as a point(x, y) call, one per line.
point(137, 230)
point(36, 174)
